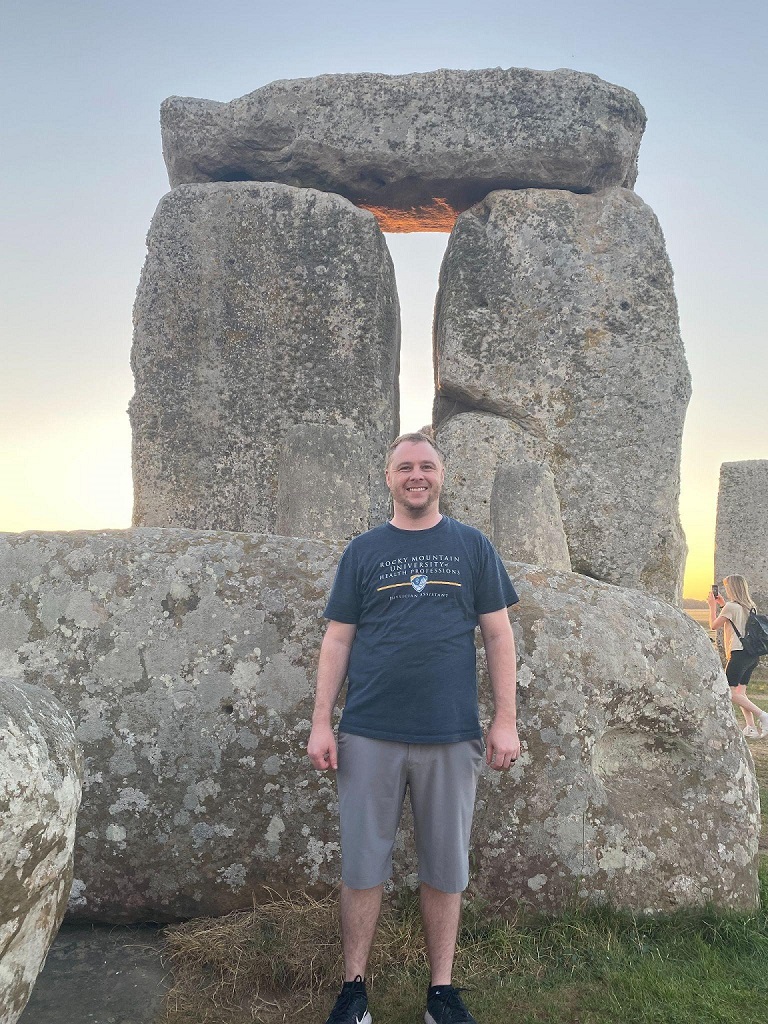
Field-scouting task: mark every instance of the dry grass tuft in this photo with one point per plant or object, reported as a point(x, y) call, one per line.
point(275, 959)
point(225, 963)
point(284, 945)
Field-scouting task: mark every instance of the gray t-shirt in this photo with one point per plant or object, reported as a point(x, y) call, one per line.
point(415, 596)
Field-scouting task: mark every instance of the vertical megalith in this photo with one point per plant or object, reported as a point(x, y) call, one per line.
point(557, 312)
point(319, 492)
point(261, 308)
point(741, 536)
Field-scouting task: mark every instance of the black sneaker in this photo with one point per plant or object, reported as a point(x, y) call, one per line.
point(445, 1006)
point(352, 1005)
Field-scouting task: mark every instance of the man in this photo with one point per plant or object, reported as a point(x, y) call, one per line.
point(403, 610)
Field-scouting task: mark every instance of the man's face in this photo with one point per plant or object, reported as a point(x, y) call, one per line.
point(415, 476)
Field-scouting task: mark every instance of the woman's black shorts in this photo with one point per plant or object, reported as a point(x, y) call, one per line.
point(740, 667)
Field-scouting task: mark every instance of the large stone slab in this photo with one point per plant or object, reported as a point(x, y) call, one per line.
point(261, 308)
point(40, 786)
point(188, 659)
point(558, 312)
point(741, 534)
point(415, 149)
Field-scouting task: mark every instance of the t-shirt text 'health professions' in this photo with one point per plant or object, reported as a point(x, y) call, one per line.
point(412, 675)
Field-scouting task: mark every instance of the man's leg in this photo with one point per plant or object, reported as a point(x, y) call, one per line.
point(359, 913)
point(440, 915)
point(443, 780)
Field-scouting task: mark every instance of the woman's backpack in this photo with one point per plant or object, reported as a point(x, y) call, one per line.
point(755, 638)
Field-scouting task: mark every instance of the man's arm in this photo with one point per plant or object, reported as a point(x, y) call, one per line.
point(331, 673)
point(502, 743)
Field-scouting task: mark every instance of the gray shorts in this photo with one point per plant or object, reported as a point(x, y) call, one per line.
point(372, 778)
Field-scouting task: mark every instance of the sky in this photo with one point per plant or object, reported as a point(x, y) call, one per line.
point(82, 172)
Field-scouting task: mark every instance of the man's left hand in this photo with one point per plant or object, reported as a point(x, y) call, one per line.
point(502, 746)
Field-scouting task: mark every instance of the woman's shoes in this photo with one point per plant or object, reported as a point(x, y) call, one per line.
point(752, 733)
point(762, 724)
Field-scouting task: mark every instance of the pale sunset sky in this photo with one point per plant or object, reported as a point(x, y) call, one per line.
point(82, 173)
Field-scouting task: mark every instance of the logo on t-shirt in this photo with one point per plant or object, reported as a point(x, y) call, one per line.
point(419, 582)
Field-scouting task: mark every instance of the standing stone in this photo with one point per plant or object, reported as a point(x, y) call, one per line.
point(415, 149)
point(187, 660)
point(40, 786)
point(557, 311)
point(526, 524)
point(319, 491)
point(475, 446)
point(260, 308)
point(489, 463)
point(741, 535)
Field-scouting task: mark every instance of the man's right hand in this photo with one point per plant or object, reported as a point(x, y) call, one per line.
point(322, 748)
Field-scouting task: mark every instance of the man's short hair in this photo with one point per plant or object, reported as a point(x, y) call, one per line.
point(414, 438)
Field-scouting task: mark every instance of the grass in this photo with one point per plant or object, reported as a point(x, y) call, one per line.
point(281, 961)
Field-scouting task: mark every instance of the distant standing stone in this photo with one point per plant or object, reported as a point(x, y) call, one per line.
point(415, 149)
point(557, 312)
point(40, 787)
point(261, 308)
point(741, 536)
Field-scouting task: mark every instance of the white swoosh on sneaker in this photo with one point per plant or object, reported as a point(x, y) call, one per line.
point(365, 1019)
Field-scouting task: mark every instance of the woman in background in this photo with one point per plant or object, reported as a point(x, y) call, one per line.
point(739, 665)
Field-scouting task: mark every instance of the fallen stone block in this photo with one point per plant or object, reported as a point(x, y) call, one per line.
point(187, 660)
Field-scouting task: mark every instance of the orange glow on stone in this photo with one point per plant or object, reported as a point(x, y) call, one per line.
point(438, 215)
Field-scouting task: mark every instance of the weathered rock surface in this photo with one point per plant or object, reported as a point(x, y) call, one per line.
point(323, 490)
point(101, 975)
point(260, 308)
point(526, 522)
point(187, 660)
point(415, 149)
point(40, 786)
point(557, 311)
point(496, 479)
point(741, 534)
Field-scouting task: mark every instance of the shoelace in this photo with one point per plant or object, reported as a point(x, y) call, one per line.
point(452, 999)
point(342, 1003)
